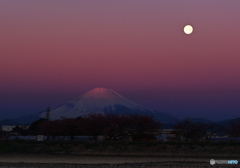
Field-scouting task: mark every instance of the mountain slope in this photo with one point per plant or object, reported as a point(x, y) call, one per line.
point(103, 101)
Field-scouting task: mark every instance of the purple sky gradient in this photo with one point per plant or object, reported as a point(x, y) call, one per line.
point(53, 51)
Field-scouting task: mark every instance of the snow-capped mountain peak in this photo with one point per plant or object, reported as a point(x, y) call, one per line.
point(103, 97)
point(97, 100)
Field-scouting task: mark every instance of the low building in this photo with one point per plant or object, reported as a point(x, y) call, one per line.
point(8, 128)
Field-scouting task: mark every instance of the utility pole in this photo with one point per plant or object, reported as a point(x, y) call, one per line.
point(48, 113)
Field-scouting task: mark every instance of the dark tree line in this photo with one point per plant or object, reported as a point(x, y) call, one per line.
point(196, 131)
point(113, 127)
point(234, 128)
point(188, 130)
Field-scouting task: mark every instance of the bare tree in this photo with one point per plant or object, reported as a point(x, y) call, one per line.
point(188, 130)
point(211, 129)
point(143, 126)
point(234, 128)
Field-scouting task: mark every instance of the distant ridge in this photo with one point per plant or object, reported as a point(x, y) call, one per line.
point(8, 122)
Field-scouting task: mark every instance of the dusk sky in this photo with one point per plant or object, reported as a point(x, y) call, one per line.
point(53, 51)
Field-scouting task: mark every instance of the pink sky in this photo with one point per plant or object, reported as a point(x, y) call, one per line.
point(135, 47)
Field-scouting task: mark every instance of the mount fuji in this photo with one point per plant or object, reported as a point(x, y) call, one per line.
point(104, 101)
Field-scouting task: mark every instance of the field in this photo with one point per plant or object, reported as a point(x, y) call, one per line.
point(101, 161)
point(75, 154)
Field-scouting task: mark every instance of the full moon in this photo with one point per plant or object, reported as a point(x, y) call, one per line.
point(188, 29)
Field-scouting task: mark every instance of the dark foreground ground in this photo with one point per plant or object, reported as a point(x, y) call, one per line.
point(67, 154)
point(76, 161)
point(106, 162)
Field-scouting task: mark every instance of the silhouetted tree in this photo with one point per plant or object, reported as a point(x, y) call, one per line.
point(68, 127)
point(19, 131)
point(116, 126)
point(95, 125)
point(234, 129)
point(143, 126)
point(189, 130)
point(51, 128)
point(34, 128)
point(211, 129)
point(199, 131)
point(81, 125)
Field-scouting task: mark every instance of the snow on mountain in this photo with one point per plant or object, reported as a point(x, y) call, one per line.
point(101, 101)
point(101, 98)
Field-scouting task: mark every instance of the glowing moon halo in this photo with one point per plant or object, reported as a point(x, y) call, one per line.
point(188, 29)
